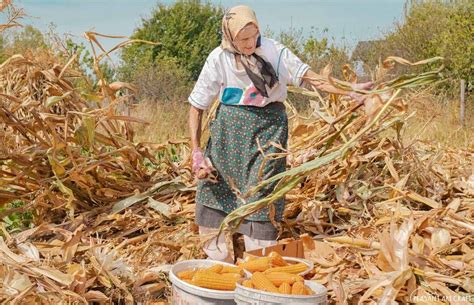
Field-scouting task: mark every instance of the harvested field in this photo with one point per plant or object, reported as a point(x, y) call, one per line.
point(392, 222)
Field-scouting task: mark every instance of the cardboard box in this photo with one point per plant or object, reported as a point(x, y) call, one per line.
point(293, 248)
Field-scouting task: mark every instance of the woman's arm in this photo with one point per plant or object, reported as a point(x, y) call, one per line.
point(201, 166)
point(319, 82)
point(194, 122)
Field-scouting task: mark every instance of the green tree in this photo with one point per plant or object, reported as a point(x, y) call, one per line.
point(187, 32)
point(456, 42)
point(315, 51)
point(432, 28)
point(29, 38)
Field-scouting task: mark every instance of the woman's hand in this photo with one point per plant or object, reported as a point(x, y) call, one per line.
point(201, 166)
point(363, 86)
point(322, 83)
point(360, 98)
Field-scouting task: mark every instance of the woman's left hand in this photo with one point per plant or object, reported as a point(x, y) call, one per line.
point(201, 166)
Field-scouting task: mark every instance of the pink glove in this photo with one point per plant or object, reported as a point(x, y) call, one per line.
point(202, 167)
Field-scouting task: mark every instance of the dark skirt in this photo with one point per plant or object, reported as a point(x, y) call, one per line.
point(233, 149)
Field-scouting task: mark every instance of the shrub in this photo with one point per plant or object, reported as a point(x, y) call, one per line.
point(432, 28)
point(187, 32)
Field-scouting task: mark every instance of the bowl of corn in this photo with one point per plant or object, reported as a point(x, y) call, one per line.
point(206, 278)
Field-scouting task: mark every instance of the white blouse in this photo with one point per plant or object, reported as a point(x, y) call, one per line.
point(220, 78)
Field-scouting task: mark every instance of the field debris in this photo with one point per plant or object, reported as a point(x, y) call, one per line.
point(383, 221)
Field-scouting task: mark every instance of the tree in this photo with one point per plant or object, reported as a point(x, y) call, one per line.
point(316, 50)
point(187, 32)
point(29, 38)
point(432, 28)
point(20, 41)
point(456, 43)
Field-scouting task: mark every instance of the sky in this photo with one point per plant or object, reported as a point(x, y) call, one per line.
point(346, 21)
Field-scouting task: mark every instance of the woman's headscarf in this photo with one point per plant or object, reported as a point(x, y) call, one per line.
point(260, 71)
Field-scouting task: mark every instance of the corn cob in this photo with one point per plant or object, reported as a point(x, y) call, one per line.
point(278, 278)
point(247, 283)
point(259, 264)
point(212, 280)
point(308, 291)
point(217, 268)
point(231, 276)
point(277, 260)
point(285, 288)
point(297, 288)
point(261, 282)
point(186, 274)
point(249, 258)
point(296, 268)
point(232, 269)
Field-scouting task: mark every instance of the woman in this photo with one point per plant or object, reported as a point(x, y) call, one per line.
point(249, 74)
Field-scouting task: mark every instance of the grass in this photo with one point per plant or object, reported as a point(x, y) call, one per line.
point(18, 221)
point(435, 119)
point(167, 121)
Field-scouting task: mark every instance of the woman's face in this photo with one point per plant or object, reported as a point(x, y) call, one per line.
point(246, 39)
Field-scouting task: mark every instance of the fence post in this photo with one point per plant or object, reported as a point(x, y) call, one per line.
point(463, 102)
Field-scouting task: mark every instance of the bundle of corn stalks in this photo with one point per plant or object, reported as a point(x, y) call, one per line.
point(386, 221)
point(68, 158)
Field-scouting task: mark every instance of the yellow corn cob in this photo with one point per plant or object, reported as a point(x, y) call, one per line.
point(285, 288)
point(297, 288)
point(212, 280)
point(278, 278)
point(261, 282)
point(247, 283)
point(250, 258)
point(231, 276)
point(277, 260)
point(186, 274)
point(259, 264)
point(189, 282)
point(217, 268)
point(232, 269)
point(296, 268)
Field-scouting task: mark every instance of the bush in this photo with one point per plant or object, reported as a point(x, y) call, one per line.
point(456, 42)
point(432, 28)
point(187, 32)
point(317, 53)
point(29, 38)
point(165, 81)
